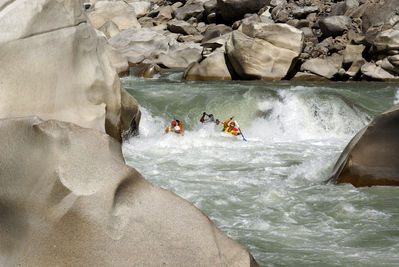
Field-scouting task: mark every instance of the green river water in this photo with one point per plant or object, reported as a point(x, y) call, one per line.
point(269, 194)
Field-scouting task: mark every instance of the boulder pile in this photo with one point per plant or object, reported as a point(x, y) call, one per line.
point(265, 39)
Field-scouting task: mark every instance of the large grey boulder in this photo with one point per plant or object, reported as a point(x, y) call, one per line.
point(194, 10)
point(181, 26)
point(371, 156)
point(254, 58)
point(387, 40)
point(279, 34)
point(300, 12)
point(140, 44)
point(334, 25)
point(322, 67)
point(353, 53)
point(231, 10)
point(388, 66)
point(213, 67)
point(68, 199)
point(375, 72)
point(344, 7)
point(67, 73)
point(119, 12)
point(215, 31)
point(180, 55)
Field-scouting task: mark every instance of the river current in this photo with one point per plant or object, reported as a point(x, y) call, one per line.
point(269, 193)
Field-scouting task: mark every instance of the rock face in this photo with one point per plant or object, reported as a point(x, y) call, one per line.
point(371, 157)
point(67, 188)
point(256, 58)
point(47, 75)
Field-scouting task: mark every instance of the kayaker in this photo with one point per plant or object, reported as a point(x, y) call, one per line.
point(210, 118)
point(229, 127)
point(175, 126)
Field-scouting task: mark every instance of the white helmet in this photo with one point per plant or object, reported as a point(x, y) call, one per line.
point(177, 129)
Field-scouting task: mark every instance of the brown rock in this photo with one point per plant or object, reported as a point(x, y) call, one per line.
point(371, 157)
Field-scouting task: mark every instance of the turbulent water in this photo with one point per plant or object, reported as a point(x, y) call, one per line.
point(269, 193)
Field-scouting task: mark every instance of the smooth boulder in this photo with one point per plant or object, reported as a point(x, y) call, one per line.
point(334, 25)
point(322, 67)
point(68, 199)
point(374, 72)
point(213, 67)
point(65, 74)
point(371, 156)
point(254, 58)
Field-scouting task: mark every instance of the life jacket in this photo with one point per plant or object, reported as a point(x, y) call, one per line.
point(233, 131)
point(226, 128)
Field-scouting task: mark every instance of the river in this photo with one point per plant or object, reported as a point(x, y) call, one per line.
point(269, 193)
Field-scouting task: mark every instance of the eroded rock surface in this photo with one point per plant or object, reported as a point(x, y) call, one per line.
point(67, 188)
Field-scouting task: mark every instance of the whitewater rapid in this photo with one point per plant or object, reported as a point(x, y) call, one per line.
point(269, 193)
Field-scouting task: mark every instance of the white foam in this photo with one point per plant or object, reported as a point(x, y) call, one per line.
point(396, 101)
point(294, 117)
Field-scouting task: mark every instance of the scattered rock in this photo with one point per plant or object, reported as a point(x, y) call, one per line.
point(375, 72)
point(387, 40)
point(353, 53)
point(301, 12)
point(181, 26)
point(334, 25)
point(187, 11)
point(319, 66)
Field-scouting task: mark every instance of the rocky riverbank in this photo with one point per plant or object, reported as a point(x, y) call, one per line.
point(306, 40)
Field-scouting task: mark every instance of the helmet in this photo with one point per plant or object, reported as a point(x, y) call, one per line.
point(173, 123)
point(177, 129)
point(232, 123)
point(210, 115)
